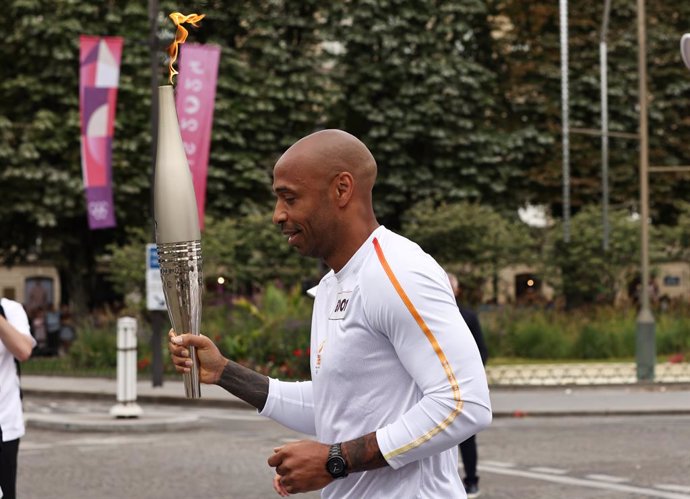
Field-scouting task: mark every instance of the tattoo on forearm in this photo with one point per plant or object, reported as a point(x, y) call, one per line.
point(244, 383)
point(363, 453)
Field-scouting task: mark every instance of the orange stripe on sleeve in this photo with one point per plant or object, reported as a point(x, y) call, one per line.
point(439, 353)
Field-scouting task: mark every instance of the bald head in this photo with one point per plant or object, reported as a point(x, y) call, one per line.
point(323, 187)
point(326, 153)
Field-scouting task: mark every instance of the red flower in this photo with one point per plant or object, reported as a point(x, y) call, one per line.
point(676, 358)
point(297, 352)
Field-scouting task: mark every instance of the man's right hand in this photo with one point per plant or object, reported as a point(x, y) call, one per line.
point(211, 362)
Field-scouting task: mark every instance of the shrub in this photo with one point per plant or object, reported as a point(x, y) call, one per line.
point(673, 333)
point(270, 335)
point(587, 333)
point(95, 347)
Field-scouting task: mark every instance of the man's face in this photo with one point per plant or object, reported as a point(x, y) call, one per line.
point(303, 209)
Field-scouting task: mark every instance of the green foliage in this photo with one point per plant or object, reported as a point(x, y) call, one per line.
point(95, 347)
point(271, 91)
point(673, 331)
point(528, 61)
point(469, 239)
point(581, 270)
point(250, 251)
point(527, 333)
point(418, 85)
point(608, 335)
point(128, 263)
point(458, 101)
point(246, 251)
point(271, 335)
point(593, 333)
point(674, 240)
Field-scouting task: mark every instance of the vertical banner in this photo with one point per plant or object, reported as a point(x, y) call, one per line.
point(196, 94)
point(99, 72)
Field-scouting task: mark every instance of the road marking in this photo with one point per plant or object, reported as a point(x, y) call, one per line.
point(607, 478)
point(500, 464)
point(234, 417)
point(581, 482)
point(552, 471)
point(673, 488)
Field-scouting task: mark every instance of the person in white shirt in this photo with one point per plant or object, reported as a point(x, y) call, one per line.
point(397, 381)
point(17, 343)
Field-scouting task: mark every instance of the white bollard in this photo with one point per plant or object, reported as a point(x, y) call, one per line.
point(126, 406)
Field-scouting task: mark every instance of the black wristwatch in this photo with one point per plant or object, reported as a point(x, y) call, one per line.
point(336, 464)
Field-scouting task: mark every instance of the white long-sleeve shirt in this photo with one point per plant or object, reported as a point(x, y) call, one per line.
point(390, 353)
point(11, 419)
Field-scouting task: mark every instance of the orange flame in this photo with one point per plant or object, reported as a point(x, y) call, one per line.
point(180, 36)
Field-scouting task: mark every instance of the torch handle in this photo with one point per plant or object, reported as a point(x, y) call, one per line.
point(181, 272)
point(192, 385)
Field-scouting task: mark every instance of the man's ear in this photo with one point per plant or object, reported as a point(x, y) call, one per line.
point(344, 188)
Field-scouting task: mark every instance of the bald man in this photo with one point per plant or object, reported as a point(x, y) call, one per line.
point(396, 378)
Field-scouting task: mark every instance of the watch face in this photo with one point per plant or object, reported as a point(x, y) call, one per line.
point(336, 466)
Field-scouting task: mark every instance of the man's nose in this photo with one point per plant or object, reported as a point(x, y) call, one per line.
point(279, 214)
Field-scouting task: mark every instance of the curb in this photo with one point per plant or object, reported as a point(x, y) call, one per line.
point(103, 422)
point(517, 414)
point(151, 399)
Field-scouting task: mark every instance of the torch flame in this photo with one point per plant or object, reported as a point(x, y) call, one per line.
point(180, 36)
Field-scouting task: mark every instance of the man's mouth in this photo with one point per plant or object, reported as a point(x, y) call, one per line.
point(291, 234)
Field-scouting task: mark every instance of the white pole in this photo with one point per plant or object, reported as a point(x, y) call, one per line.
point(565, 111)
point(603, 70)
point(126, 406)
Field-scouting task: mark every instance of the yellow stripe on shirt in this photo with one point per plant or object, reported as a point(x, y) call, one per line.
point(439, 353)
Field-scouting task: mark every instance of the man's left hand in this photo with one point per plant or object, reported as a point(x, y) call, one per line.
point(301, 466)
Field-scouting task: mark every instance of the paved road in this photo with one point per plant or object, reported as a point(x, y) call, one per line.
point(224, 456)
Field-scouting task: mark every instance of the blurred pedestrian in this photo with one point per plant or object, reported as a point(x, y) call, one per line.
point(468, 448)
point(16, 345)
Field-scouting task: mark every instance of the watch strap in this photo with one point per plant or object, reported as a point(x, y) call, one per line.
point(335, 452)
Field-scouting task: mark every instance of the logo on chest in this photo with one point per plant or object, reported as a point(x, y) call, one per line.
point(339, 308)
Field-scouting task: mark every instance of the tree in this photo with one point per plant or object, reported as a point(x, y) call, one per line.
point(580, 270)
point(417, 86)
point(469, 239)
point(529, 49)
point(247, 251)
point(269, 93)
point(41, 185)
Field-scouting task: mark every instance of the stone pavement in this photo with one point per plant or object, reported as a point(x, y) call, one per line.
point(541, 392)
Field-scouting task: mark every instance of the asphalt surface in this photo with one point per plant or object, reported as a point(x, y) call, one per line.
point(513, 401)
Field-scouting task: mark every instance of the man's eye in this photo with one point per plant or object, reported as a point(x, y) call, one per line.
point(289, 200)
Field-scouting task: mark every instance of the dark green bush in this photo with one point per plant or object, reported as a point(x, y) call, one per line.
point(591, 333)
point(270, 335)
point(95, 347)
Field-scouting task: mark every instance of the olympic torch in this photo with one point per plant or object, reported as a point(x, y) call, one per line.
point(177, 221)
point(685, 49)
point(177, 232)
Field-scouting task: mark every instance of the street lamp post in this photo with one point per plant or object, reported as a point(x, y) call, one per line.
point(603, 76)
point(645, 348)
point(157, 316)
point(565, 113)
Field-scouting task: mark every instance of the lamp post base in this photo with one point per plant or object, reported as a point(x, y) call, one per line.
point(645, 346)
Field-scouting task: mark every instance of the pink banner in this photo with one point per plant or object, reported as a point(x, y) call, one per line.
point(99, 63)
point(196, 94)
